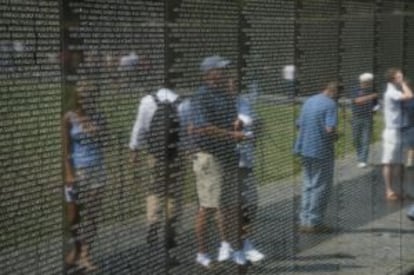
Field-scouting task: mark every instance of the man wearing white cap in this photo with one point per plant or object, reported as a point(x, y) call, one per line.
point(363, 103)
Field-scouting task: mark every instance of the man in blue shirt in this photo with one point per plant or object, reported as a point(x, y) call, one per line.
point(363, 103)
point(315, 144)
point(214, 116)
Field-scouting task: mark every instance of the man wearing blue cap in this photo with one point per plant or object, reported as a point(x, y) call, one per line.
point(214, 114)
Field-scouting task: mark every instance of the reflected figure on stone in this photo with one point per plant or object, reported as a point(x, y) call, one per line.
point(408, 130)
point(392, 156)
point(408, 137)
point(364, 100)
point(214, 115)
point(128, 62)
point(289, 80)
point(317, 126)
point(155, 136)
point(83, 138)
point(248, 122)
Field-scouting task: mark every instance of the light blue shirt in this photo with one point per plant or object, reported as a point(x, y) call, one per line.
point(245, 149)
point(184, 112)
point(217, 108)
point(85, 149)
point(318, 113)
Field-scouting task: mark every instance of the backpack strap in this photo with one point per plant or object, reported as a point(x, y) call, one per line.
point(157, 101)
point(177, 101)
point(155, 97)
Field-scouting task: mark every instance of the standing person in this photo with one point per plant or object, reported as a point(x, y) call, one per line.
point(214, 115)
point(315, 144)
point(83, 131)
point(408, 136)
point(250, 125)
point(363, 103)
point(156, 130)
point(289, 80)
point(397, 92)
point(408, 131)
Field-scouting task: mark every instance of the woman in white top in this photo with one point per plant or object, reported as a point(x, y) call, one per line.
point(397, 92)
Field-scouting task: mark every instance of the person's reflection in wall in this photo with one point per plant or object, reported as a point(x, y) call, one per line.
point(397, 92)
point(128, 62)
point(317, 125)
point(214, 114)
point(249, 123)
point(156, 135)
point(364, 100)
point(408, 140)
point(408, 130)
point(84, 135)
point(289, 80)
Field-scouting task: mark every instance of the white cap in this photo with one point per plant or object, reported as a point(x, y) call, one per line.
point(247, 120)
point(128, 62)
point(366, 77)
point(288, 72)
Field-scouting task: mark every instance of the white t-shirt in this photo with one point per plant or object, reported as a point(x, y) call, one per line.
point(393, 115)
point(146, 111)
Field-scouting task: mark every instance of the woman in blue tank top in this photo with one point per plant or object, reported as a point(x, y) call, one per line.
point(83, 135)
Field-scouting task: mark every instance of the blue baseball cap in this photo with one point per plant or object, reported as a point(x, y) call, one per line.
point(213, 62)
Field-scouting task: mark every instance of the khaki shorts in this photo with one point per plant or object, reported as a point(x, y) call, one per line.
point(209, 179)
point(392, 148)
point(160, 192)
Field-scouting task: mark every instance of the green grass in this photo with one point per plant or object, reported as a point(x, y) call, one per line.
point(275, 160)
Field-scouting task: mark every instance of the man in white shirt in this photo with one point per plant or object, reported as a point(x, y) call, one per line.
point(397, 92)
point(164, 186)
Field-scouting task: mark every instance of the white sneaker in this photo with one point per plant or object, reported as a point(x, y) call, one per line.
point(409, 163)
point(225, 252)
point(203, 259)
point(253, 255)
point(239, 257)
point(362, 165)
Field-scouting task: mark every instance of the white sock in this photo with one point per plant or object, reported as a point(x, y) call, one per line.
point(225, 244)
point(247, 245)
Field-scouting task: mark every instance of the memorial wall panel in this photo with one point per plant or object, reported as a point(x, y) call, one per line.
point(104, 171)
point(119, 48)
point(318, 44)
point(390, 38)
point(30, 158)
point(269, 83)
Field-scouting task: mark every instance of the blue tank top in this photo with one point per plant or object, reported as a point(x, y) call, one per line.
point(85, 148)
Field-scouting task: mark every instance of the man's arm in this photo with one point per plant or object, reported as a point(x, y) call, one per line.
point(200, 125)
point(361, 100)
point(331, 120)
point(141, 126)
point(407, 92)
point(67, 163)
point(216, 132)
point(397, 95)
